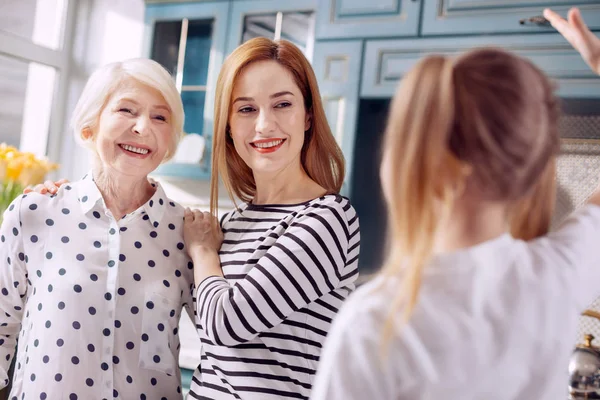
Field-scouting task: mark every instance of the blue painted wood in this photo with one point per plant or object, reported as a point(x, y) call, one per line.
point(386, 61)
point(217, 11)
point(337, 67)
point(240, 9)
point(186, 379)
point(186, 171)
point(367, 19)
point(452, 17)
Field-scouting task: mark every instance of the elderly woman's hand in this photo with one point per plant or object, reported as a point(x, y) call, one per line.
point(201, 232)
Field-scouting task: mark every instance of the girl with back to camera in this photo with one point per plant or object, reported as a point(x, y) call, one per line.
point(462, 310)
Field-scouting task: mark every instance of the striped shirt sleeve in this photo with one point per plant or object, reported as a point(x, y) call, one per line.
point(305, 263)
point(13, 285)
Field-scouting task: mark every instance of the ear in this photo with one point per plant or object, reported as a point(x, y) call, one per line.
point(307, 121)
point(86, 133)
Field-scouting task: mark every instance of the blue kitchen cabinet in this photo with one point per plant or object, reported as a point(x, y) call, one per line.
point(386, 61)
point(367, 19)
point(290, 20)
point(460, 17)
point(189, 40)
point(337, 67)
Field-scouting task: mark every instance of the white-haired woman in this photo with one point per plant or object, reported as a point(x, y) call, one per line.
point(94, 278)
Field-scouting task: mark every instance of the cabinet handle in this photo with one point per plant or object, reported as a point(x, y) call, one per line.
point(538, 20)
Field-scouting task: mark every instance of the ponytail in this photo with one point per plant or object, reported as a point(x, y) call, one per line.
point(531, 216)
point(420, 124)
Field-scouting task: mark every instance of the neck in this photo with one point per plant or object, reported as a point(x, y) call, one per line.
point(472, 223)
point(289, 186)
point(122, 193)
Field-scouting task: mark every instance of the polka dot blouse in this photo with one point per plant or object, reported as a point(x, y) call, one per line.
point(95, 302)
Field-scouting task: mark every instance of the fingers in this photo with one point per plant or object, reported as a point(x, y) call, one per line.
point(196, 215)
point(40, 188)
point(188, 216)
point(576, 20)
point(50, 186)
point(560, 24)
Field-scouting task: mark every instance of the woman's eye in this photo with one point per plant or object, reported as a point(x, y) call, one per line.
point(161, 118)
point(245, 110)
point(125, 110)
point(283, 105)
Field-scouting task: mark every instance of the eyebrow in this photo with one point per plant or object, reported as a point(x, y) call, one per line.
point(159, 106)
point(273, 96)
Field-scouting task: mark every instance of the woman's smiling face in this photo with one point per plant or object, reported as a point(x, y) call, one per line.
point(268, 120)
point(134, 130)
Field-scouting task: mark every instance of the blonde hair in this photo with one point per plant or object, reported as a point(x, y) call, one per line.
point(106, 80)
point(488, 111)
point(531, 216)
point(321, 157)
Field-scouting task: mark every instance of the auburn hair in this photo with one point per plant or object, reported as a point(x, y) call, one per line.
point(487, 111)
point(321, 156)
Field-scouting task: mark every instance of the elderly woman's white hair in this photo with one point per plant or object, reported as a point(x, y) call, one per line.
point(105, 80)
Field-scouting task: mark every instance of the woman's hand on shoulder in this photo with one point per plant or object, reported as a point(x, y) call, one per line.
point(46, 187)
point(201, 232)
point(578, 34)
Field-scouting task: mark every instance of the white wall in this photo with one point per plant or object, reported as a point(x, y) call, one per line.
point(105, 31)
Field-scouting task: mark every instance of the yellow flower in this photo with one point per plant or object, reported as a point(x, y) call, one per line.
point(2, 170)
point(24, 168)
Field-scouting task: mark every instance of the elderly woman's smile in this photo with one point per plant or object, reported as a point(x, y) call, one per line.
point(135, 150)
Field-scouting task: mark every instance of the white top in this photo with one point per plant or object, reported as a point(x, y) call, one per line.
point(287, 268)
point(97, 302)
point(495, 321)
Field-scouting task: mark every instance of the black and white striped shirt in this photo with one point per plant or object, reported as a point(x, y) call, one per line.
point(287, 269)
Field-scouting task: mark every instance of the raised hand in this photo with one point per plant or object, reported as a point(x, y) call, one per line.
point(578, 34)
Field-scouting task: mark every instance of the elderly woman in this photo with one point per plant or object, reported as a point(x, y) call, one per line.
point(94, 278)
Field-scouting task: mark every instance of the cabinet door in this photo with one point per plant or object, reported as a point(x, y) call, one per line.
point(499, 16)
point(188, 39)
point(291, 20)
point(365, 19)
point(337, 67)
point(386, 61)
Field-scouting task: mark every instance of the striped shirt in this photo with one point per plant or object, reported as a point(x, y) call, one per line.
point(287, 269)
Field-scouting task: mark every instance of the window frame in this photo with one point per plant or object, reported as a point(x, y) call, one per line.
point(25, 50)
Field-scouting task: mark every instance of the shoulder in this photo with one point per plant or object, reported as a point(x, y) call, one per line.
point(172, 208)
point(334, 208)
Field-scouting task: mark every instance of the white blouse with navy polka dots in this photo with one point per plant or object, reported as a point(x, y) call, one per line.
point(95, 302)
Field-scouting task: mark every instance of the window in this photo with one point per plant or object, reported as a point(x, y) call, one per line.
point(38, 21)
point(31, 60)
point(183, 48)
point(295, 26)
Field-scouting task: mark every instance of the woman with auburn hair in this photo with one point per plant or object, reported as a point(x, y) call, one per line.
point(273, 273)
point(462, 309)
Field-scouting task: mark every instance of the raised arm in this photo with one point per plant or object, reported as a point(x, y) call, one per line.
point(578, 34)
point(13, 285)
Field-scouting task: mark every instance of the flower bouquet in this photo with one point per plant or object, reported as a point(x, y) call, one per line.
point(17, 171)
